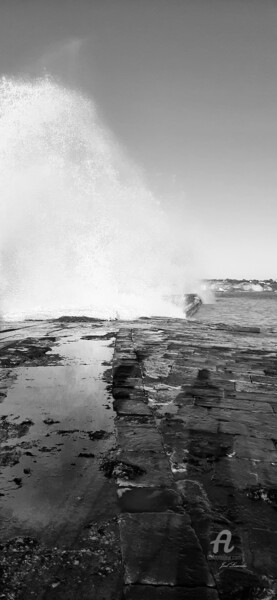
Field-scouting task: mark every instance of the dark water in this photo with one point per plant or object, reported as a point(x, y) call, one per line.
point(58, 462)
point(252, 309)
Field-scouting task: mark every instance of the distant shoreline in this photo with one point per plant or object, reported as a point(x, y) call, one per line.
point(242, 285)
point(249, 293)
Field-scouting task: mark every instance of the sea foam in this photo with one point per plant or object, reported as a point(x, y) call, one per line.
point(80, 232)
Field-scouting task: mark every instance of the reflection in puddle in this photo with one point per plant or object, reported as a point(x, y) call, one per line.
point(51, 477)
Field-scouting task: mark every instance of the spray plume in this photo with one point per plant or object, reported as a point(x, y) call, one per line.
point(79, 230)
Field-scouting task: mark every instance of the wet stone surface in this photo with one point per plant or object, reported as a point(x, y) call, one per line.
point(150, 469)
point(117, 468)
point(213, 397)
point(28, 351)
point(89, 569)
point(58, 512)
point(138, 460)
point(144, 499)
point(128, 406)
point(149, 592)
point(162, 549)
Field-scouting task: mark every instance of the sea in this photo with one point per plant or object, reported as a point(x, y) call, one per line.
point(256, 309)
point(252, 309)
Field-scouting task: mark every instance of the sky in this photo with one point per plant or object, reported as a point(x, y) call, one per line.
point(189, 90)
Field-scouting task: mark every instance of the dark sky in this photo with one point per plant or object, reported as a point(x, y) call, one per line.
point(189, 89)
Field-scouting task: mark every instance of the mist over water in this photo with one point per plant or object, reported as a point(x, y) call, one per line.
point(79, 230)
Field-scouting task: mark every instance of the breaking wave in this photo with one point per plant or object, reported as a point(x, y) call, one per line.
point(80, 232)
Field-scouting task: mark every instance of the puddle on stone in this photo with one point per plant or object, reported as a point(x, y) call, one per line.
point(50, 477)
point(79, 351)
point(148, 500)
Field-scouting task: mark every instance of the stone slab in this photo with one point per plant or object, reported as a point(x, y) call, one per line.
point(234, 583)
point(255, 387)
point(126, 393)
point(128, 382)
point(197, 505)
point(234, 404)
point(162, 549)
point(139, 438)
point(144, 499)
point(157, 472)
point(234, 472)
point(199, 444)
point(233, 428)
point(259, 397)
point(255, 448)
point(253, 418)
point(124, 356)
point(131, 407)
point(150, 592)
point(164, 394)
point(266, 474)
point(263, 547)
point(136, 420)
point(194, 418)
point(266, 431)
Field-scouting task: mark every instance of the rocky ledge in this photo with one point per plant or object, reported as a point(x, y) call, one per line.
point(179, 493)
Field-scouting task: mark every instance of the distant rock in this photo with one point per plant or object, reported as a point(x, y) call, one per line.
point(192, 304)
point(243, 285)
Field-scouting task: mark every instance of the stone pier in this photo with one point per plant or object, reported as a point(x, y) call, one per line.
point(175, 490)
point(196, 413)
